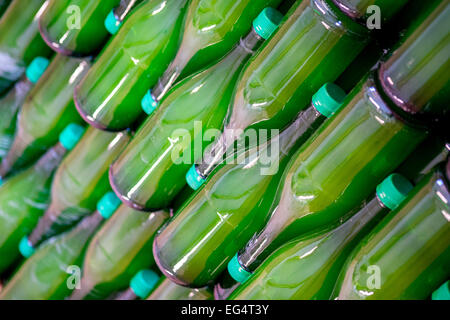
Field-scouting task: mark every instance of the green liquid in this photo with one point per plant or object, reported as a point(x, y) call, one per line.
point(23, 199)
point(307, 268)
point(76, 27)
point(410, 248)
point(301, 56)
point(109, 96)
point(80, 181)
point(121, 248)
point(194, 248)
point(151, 170)
point(3, 6)
point(168, 290)
point(45, 276)
point(335, 170)
point(47, 110)
point(20, 41)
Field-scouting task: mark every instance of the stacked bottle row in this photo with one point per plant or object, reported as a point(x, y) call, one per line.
point(144, 158)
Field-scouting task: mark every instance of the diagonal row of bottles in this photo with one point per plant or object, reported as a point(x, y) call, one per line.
point(218, 149)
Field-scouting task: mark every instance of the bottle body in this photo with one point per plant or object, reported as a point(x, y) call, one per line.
point(23, 209)
point(410, 249)
point(75, 27)
point(9, 106)
point(21, 43)
point(347, 157)
point(47, 110)
point(151, 170)
point(210, 29)
point(120, 249)
point(168, 290)
point(109, 96)
point(280, 80)
point(80, 181)
point(45, 275)
point(227, 211)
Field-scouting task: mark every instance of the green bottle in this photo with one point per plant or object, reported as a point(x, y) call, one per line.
point(121, 248)
point(79, 182)
point(13, 100)
point(339, 166)
point(45, 275)
point(76, 27)
point(46, 111)
point(25, 196)
point(313, 46)
point(150, 172)
point(3, 6)
point(415, 77)
point(194, 248)
point(20, 41)
point(210, 29)
point(443, 293)
point(407, 255)
point(116, 16)
point(168, 290)
point(140, 287)
point(360, 10)
point(307, 268)
point(109, 95)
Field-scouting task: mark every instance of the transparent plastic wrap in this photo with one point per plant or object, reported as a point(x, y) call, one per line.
point(121, 248)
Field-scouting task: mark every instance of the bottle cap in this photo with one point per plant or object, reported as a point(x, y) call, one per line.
point(70, 136)
point(193, 179)
point(236, 271)
point(143, 283)
point(25, 247)
point(267, 22)
point(393, 190)
point(148, 104)
point(111, 23)
point(36, 68)
point(328, 99)
point(443, 293)
point(108, 204)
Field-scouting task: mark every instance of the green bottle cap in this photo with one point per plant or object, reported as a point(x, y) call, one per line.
point(236, 271)
point(148, 104)
point(108, 204)
point(70, 136)
point(25, 247)
point(443, 293)
point(328, 99)
point(267, 22)
point(393, 190)
point(193, 178)
point(143, 283)
point(111, 23)
point(36, 68)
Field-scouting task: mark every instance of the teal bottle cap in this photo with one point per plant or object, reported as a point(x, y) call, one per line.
point(267, 22)
point(25, 247)
point(108, 204)
point(36, 68)
point(143, 283)
point(328, 99)
point(193, 179)
point(148, 104)
point(393, 190)
point(111, 23)
point(70, 136)
point(236, 271)
point(443, 293)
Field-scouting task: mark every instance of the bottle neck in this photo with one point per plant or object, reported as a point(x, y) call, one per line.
point(127, 295)
point(122, 10)
point(247, 45)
